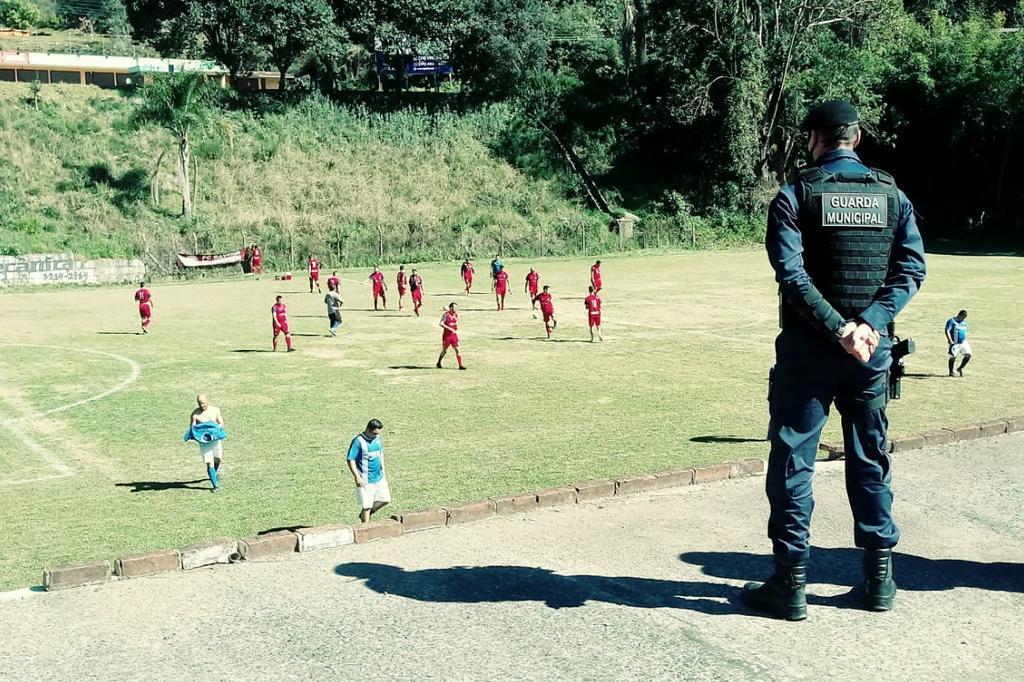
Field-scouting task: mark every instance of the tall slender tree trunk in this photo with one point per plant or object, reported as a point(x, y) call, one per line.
point(283, 70)
point(640, 32)
point(184, 152)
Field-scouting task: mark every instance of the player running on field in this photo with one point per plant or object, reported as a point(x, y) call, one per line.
point(279, 318)
point(334, 282)
point(416, 288)
point(145, 300)
point(547, 310)
point(366, 462)
point(450, 336)
point(496, 267)
point(379, 287)
point(257, 259)
point(595, 277)
point(593, 305)
point(314, 273)
point(532, 286)
point(956, 337)
point(206, 427)
point(467, 274)
point(402, 280)
point(500, 288)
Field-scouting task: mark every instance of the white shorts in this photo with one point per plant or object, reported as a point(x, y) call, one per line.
point(958, 349)
point(211, 451)
point(372, 493)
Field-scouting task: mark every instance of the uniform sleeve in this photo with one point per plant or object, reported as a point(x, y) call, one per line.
point(906, 271)
point(354, 449)
point(784, 244)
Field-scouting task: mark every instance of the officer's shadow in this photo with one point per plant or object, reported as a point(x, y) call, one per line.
point(493, 584)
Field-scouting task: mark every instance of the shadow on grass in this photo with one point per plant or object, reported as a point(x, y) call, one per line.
point(925, 375)
point(842, 566)
point(726, 439)
point(315, 336)
point(121, 333)
point(493, 584)
point(290, 529)
point(412, 367)
point(158, 486)
point(252, 350)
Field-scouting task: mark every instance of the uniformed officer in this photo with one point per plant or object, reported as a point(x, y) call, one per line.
point(848, 256)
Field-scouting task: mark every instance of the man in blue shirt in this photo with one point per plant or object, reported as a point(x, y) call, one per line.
point(366, 462)
point(956, 337)
point(847, 256)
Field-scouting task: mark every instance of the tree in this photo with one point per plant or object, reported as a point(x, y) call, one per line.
point(19, 14)
point(180, 103)
point(288, 29)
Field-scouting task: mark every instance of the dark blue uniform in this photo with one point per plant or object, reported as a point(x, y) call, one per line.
point(812, 371)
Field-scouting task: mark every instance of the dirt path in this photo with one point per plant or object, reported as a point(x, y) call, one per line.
point(630, 588)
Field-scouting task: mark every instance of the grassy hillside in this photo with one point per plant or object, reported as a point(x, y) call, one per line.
point(75, 175)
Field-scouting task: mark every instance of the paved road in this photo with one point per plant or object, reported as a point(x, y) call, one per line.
point(628, 588)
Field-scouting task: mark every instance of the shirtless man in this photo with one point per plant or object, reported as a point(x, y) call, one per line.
point(206, 427)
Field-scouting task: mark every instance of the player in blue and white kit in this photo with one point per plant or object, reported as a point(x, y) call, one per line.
point(366, 462)
point(956, 337)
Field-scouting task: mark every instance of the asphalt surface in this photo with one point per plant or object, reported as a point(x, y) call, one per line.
point(623, 589)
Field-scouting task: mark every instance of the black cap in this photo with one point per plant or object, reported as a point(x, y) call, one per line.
point(831, 114)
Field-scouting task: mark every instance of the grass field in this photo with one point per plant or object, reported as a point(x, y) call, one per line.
point(680, 380)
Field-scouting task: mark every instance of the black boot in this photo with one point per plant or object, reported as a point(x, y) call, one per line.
point(879, 587)
point(783, 594)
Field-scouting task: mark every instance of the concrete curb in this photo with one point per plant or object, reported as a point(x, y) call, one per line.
point(277, 543)
point(950, 434)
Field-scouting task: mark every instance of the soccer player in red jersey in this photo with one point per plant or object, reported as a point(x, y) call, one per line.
point(449, 336)
point(334, 282)
point(500, 288)
point(257, 259)
point(314, 274)
point(595, 276)
point(145, 300)
point(279, 319)
point(467, 274)
point(593, 305)
point(532, 285)
point(416, 288)
point(403, 282)
point(379, 287)
point(547, 310)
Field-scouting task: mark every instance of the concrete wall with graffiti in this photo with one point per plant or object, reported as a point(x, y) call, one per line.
point(62, 268)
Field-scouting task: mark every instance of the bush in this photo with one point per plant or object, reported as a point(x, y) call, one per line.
point(20, 14)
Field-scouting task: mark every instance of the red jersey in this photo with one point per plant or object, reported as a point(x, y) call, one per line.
point(334, 282)
point(532, 279)
point(546, 304)
point(450, 320)
point(402, 279)
point(143, 296)
point(378, 279)
point(501, 280)
point(595, 273)
point(257, 255)
point(314, 267)
point(415, 282)
point(280, 313)
point(593, 304)
point(467, 270)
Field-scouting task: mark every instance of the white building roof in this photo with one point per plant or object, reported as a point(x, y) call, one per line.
point(75, 62)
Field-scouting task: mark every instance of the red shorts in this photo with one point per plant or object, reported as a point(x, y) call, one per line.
point(401, 291)
point(281, 328)
point(145, 311)
point(597, 283)
point(378, 291)
point(595, 320)
point(533, 292)
point(417, 295)
point(468, 279)
point(500, 290)
point(450, 340)
point(314, 276)
point(547, 314)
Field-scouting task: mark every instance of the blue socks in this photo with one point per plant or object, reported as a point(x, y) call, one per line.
point(212, 473)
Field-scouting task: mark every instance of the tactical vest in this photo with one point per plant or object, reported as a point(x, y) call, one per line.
point(847, 220)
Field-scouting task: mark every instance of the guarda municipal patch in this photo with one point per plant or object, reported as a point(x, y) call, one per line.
point(854, 210)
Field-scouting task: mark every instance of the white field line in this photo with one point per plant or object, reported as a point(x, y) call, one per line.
point(132, 377)
point(11, 425)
